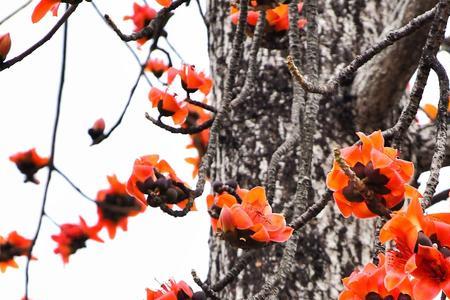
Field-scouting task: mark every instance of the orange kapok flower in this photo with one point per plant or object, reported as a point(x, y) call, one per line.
point(167, 105)
point(29, 162)
point(431, 111)
point(174, 291)
point(73, 237)
point(431, 271)
point(142, 15)
point(191, 80)
point(5, 46)
point(154, 182)
point(368, 284)
point(115, 206)
point(14, 245)
point(96, 132)
point(165, 3)
point(199, 141)
point(252, 224)
point(422, 246)
point(378, 167)
point(277, 18)
point(43, 8)
point(157, 67)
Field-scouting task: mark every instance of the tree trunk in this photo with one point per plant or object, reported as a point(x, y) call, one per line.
point(330, 246)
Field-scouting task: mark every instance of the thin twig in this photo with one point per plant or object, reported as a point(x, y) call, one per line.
point(208, 291)
point(16, 11)
point(181, 130)
point(53, 144)
point(48, 36)
point(100, 14)
point(201, 104)
point(232, 274)
point(74, 186)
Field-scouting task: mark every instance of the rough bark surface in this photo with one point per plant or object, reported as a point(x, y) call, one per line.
point(331, 246)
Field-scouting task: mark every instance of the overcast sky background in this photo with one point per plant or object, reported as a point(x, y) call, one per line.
point(100, 74)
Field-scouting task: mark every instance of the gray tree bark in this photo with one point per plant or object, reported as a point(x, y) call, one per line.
point(330, 246)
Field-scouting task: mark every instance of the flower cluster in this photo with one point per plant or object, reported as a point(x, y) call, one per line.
point(115, 206)
point(276, 16)
point(368, 283)
point(154, 182)
point(191, 80)
point(14, 245)
point(142, 16)
point(380, 170)
point(29, 162)
point(167, 103)
point(174, 291)
point(250, 223)
point(73, 237)
point(422, 250)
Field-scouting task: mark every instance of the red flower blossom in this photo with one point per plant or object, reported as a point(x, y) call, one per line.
point(252, 224)
point(431, 271)
point(368, 283)
point(5, 46)
point(277, 18)
point(173, 291)
point(142, 15)
point(378, 167)
point(14, 245)
point(29, 162)
point(167, 105)
point(190, 79)
point(156, 179)
point(199, 141)
point(96, 132)
point(43, 8)
point(115, 206)
point(422, 249)
point(157, 67)
point(73, 237)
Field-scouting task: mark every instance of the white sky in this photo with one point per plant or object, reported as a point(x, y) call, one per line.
point(100, 73)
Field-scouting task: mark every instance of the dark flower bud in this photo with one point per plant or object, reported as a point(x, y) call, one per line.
point(232, 184)
point(373, 296)
point(199, 296)
point(162, 184)
point(445, 251)
point(216, 185)
point(171, 196)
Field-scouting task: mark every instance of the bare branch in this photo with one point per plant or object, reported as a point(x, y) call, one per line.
point(181, 130)
point(253, 62)
point(441, 133)
point(7, 64)
point(53, 143)
point(360, 60)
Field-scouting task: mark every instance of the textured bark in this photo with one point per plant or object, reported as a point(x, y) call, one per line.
point(331, 246)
